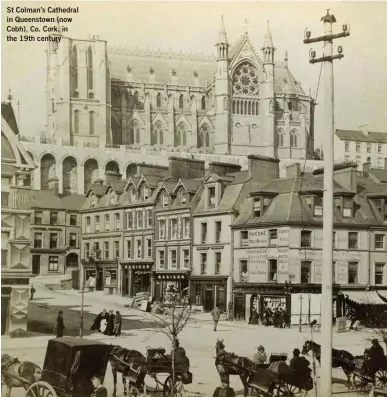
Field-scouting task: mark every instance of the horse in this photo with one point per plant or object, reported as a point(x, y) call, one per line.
point(18, 374)
point(340, 359)
point(230, 364)
point(120, 360)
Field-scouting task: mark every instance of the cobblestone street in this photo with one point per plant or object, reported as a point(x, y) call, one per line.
point(198, 339)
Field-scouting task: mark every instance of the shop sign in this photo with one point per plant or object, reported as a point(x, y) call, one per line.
point(257, 265)
point(258, 238)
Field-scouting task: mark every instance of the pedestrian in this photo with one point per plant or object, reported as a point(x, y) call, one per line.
point(215, 316)
point(260, 357)
point(110, 324)
point(224, 391)
point(32, 292)
point(99, 389)
point(117, 324)
point(98, 320)
point(59, 325)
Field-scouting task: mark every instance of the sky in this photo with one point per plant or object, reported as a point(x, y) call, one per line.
point(360, 78)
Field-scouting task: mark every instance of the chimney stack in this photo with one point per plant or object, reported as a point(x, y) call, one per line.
point(263, 168)
point(184, 168)
point(53, 185)
point(364, 129)
point(366, 168)
point(151, 170)
point(293, 170)
point(222, 169)
point(343, 174)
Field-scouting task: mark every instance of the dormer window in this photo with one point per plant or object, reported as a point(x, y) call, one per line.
point(318, 206)
point(133, 194)
point(183, 196)
point(257, 207)
point(145, 192)
point(381, 206)
point(165, 200)
point(211, 197)
point(113, 198)
point(347, 208)
point(93, 202)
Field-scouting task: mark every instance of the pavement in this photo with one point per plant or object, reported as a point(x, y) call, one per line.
point(198, 339)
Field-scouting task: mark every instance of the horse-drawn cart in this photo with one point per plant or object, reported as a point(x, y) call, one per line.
point(155, 364)
point(279, 379)
point(364, 377)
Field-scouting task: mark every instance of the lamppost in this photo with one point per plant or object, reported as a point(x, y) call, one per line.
point(326, 307)
point(249, 126)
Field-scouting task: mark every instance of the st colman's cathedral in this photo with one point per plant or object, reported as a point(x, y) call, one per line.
point(241, 101)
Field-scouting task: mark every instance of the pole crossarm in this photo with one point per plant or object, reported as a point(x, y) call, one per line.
point(326, 59)
point(328, 37)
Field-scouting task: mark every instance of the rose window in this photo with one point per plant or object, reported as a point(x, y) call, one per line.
point(245, 80)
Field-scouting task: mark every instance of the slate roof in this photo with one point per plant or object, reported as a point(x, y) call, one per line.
point(118, 186)
point(380, 174)
point(98, 189)
point(46, 199)
point(359, 136)
point(7, 152)
point(73, 202)
point(192, 185)
point(9, 115)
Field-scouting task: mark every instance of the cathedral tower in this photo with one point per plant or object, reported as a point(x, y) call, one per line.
point(268, 92)
point(78, 91)
point(222, 95)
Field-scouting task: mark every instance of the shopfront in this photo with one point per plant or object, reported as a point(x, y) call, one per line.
point(209, 291)
point(100, 275)
point(136, 278)
point(170, 285)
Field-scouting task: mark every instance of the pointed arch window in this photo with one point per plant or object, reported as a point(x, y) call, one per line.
point(204, 136)
point(203, 104)
point(279, 138)
point(158, 133)
point(181, 102)
point(293, 139)
point(90, 76)
point(74, 68)
point(136, 132)
point(76, 122)
point(91, 123)
point(135, 100)
point(181, 135)
point(158, 100)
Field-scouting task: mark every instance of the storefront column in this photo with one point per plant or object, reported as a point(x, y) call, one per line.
point(130, 282)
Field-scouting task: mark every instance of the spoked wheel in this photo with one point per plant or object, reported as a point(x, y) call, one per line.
point(362, 384)
point(381, 378)
point(41, 389)
point(179, 386)
point(286, 390)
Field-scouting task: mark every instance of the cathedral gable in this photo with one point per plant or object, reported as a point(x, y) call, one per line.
point(246, 52)
point(183, 119)
point(160, 118)
point(206, 120)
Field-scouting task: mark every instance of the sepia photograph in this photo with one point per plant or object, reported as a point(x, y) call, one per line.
point(193, 198)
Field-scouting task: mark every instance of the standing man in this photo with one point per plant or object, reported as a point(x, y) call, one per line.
point(32, 292)
point(99, 388)
point(59, 325)
point(117, 324)
point(215, 316)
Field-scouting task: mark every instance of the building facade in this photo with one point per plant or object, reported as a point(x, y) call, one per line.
point(278, 243)
point(16, 166)
point(362, 146)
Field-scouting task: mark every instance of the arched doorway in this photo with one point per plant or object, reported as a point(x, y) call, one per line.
point(47, 170)
point(70, 175)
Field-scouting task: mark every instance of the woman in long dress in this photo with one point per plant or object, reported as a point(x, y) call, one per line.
point(98, 321)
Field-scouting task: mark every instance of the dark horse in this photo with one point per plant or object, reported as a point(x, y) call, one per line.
point(229, 364)
point(120, 360)
point(18, 374)
point(340, 358)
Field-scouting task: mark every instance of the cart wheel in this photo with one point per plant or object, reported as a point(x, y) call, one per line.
point(41, 389)
point(179, 386)
point(361, 384)
point(381, 378)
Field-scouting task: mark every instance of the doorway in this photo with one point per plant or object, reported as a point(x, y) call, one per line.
point(208, 299)
point(4, 314)
point(35, 265)
point(125, 282)
point(221, 298)
point(99, 280)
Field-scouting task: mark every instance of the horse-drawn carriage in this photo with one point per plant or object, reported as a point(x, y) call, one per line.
point(364, 377)
point(278, 379)
point(135, 367)
point(69, 366)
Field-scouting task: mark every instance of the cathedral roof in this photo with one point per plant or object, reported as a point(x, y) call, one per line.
point(360, 136)
point(9, 115)
point(162, 68)
point(285, 81)
point(268, 42)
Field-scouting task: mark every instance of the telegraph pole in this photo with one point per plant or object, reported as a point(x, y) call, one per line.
point(326, 305)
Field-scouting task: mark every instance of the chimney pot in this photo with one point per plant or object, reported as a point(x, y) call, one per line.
point(366, 168)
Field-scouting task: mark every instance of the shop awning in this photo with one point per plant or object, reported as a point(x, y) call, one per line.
point(365, 297)
point(383, 295)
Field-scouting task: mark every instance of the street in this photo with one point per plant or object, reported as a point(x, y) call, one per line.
point(198, 339)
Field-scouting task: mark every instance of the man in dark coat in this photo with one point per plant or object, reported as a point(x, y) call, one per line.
point(215, 316)
point(299, 363)
point(110, 324)
point(224, 391)
point(99, 389)
point(59, 325)
point(117, 323)
point(32, 292)
point(376, 356)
